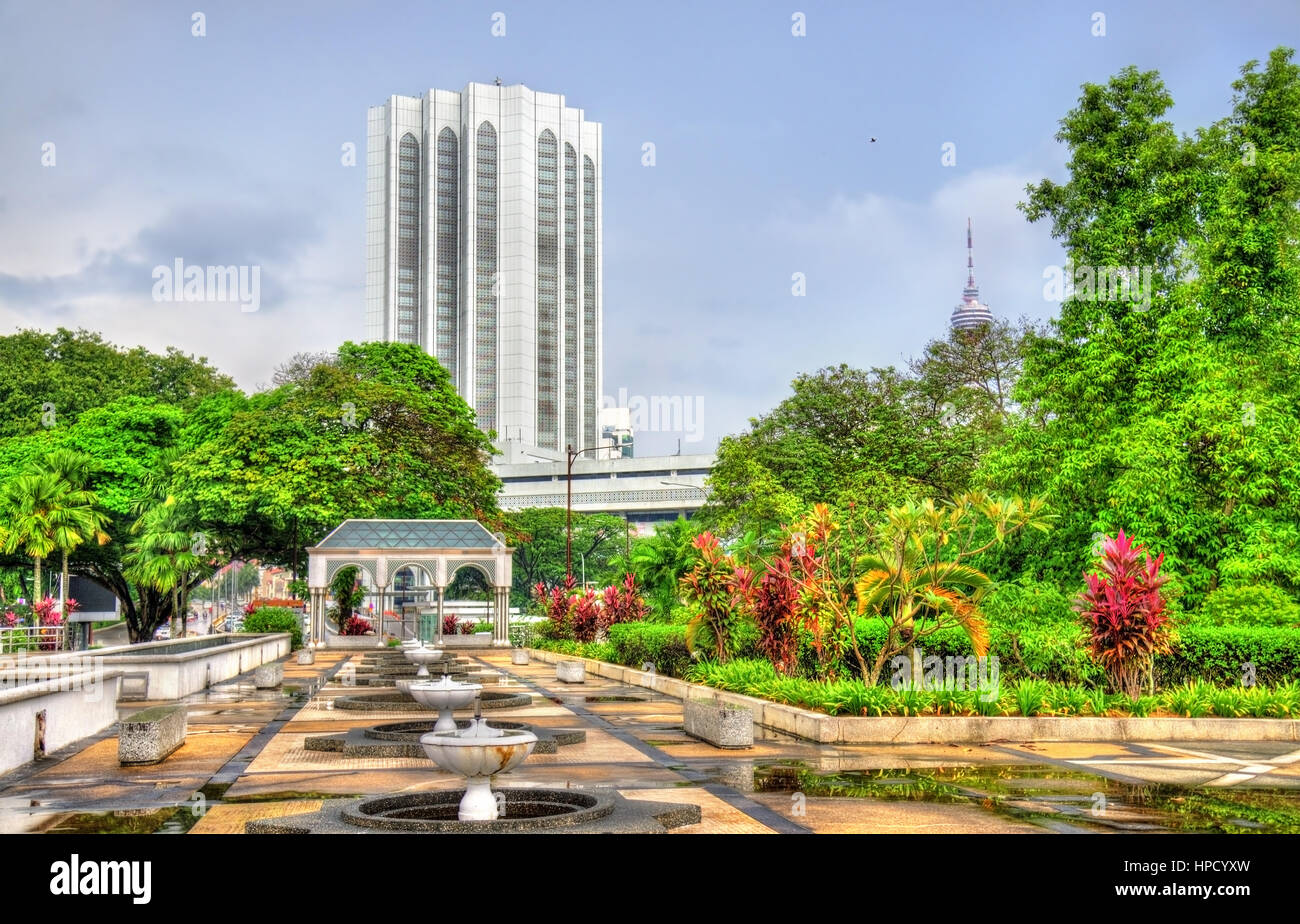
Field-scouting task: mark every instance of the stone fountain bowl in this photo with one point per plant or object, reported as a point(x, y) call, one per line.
point(476, 756)
point(424, 656)
point(444, 695)
point(478, 753)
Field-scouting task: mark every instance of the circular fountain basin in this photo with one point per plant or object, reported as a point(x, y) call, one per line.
point(444, 695)
point(396, 701)
point(478, 753)
point(523, 810)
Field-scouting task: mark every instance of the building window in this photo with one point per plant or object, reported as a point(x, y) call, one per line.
point(589, 332)
point(548, 276)
point(448, 285)
point(408, 240)
point(572, 431)
point(487, 283)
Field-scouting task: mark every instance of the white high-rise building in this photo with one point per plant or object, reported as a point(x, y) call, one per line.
point(483, 246)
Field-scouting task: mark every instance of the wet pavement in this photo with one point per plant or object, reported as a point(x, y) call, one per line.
point(244, 758)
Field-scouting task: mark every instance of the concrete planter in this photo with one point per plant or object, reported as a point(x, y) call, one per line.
point(829, 729)
point(519, 656)
point(306, 656)
point(148, 737)
point(570, 672)
point(720, 726)
point(41, 711)
point(268, 676)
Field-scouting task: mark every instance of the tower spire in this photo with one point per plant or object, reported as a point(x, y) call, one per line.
point(970, 258)
point(971, 314)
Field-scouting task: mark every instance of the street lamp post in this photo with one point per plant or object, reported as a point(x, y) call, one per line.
point(568, 503)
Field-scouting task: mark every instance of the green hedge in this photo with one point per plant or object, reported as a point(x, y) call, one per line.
point(275, 619)
point(663, 643)
point(1251, 605)
point(1218, 654)
point(1056, 653)
point(1027, 698)
point(597, 651)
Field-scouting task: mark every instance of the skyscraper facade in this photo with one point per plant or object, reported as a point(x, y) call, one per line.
point(483, 246)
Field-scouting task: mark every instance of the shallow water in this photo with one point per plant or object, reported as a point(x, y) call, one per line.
point(1055, 798)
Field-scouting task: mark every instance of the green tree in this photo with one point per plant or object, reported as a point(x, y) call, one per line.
point(52, 378)
point(659, 562)
point(1174, 417)
point(162, 557)
point(79, 520)
point(378, 432)
point(538, 535)
point(33, 511)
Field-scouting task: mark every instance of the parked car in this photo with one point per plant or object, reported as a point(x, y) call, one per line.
point(162, 633)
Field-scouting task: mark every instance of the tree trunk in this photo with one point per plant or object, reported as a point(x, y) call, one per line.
point(63, 588)
point(36, 589)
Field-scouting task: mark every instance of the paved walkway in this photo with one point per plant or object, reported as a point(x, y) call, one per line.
point(245, 758)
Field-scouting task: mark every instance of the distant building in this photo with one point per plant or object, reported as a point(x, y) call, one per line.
point(483, 246)
point(971, 315)
point(646, 491)
point(616, 432)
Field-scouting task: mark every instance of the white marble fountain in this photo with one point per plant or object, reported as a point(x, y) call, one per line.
point(478, 753)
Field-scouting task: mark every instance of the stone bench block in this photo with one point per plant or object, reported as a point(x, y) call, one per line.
point(570, 671)
point(268, 676)
point(149, 736)
point(720, 725)
point(306, 656)
point(519, 656)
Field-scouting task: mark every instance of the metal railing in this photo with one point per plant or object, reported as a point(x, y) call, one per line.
point(33, 638)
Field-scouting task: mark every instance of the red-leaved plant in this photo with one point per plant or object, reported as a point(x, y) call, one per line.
point(557, 604)
point(624, 604)
point(776, 602)
point(721, 593)
point(355, 625)
point(1124, 612)
point(586, 617)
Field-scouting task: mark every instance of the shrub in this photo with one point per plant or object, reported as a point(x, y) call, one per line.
point(719, 590)
point(279, 602)
point(1031, 696)
point(1230, 655)
point(1017, 606)
point(1250, 605)
point(664, 644)
point(597, 651)
point(356, 625)
point(624, 603)
point(586, 620)
point(776, 601)
point(275, 619)
point(1191, 700)
point(448, 624)
point(557, 605)
point(1124, 612)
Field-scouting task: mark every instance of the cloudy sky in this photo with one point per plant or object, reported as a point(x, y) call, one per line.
point(226, 149)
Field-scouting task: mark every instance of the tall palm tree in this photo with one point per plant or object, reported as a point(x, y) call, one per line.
point(162, 557)
point(660, 561)
point(32, 505)
point(79, 519)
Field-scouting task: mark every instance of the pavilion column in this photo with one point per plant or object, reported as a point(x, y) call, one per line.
point(442, 592)
point(501, 618)
point(317, 606)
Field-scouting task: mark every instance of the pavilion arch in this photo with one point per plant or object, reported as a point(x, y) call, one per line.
point(382, 548)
